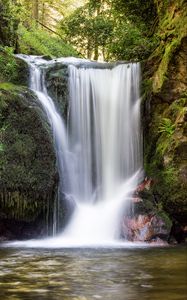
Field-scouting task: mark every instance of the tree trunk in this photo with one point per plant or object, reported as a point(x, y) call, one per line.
point(43, 13)
point(36, 9)
point(96, 50)
point(89, 50)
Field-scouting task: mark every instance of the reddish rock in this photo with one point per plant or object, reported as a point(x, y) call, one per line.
point(146, 184)
point(144, 228)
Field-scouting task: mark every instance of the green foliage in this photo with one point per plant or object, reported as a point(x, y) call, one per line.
point(45, 12)
point(40, 42)
point(136, 10)
point(110, 29)
point(8, 65)
point(33, 39)
point(129, 42)
point(167, 126)
point(87, 30)
point(9, 21)
point(178, 106)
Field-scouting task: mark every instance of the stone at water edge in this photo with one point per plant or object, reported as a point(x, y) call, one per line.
point(143, 228)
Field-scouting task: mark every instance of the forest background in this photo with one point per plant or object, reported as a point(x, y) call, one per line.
point(102, 29)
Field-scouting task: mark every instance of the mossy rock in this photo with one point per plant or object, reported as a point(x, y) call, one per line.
point(28, 174)
point(12, 69)
point(57, 85)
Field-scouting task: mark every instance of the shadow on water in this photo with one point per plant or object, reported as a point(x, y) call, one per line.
point(87, 274)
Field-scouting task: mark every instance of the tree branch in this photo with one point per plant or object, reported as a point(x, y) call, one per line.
point(48, 28)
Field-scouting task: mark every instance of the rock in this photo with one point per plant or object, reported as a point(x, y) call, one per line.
point(144, 228)
point(47, 57)
point(13, 69)
point(22, 72)
point(158, 242)
point(145, 221)
point(178, 233)
point(145, 185)
point(165, 112)
point(28, 174)
point(57, 85)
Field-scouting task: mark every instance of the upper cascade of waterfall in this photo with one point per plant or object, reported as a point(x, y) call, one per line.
point(99, 150)
point(79, 62)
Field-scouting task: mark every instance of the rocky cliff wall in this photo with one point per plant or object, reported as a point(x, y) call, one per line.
point(165, 111)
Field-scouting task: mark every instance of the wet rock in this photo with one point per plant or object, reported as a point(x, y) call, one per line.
point(11, 229)
point(178, 233)
point(144, 228)
point(47, 57)
point(145, 221)
point(57, 85)
point(158, 242)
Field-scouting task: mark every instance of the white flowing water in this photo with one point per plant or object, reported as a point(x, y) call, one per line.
point(100, 149)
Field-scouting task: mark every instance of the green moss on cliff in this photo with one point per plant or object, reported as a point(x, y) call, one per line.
point(172, 29)
point(166, 158)
point(165, 101)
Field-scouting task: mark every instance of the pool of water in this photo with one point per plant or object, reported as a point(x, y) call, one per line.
point(88, 274)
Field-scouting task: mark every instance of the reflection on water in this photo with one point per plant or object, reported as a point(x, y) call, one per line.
point(109, 274)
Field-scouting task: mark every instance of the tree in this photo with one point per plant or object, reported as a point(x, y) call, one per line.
point(9, 21)
point(46, 12)
point(89, 28)
point(112, 29)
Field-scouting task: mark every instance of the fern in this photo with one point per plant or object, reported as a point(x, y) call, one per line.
point(167, 126)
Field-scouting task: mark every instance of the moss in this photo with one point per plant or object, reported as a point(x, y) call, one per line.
point(12, 69)
point(166, 113)
point(165, 157)
point(161, 74)
point(8, 86)
point(171, 30)
point(8, 66)
point(57, 85)
point(165, 217)
point(177, 107)
point(27, 160)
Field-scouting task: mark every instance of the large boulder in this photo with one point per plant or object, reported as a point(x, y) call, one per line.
point(28, 174)
point(145, 228)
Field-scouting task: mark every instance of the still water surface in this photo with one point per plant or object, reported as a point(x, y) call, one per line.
point(89, 274)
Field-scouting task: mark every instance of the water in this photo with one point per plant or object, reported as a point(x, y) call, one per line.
point(38, 86)
point(99, 150)
point(105, 143)
point(89, 274)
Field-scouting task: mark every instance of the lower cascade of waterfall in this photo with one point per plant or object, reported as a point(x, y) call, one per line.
point(99, 150)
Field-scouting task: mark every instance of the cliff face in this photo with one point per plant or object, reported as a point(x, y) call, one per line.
point(28, 175)
point(165, 108)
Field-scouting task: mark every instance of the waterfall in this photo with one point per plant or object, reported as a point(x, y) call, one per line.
point(99, 150)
